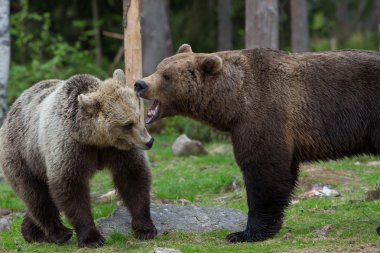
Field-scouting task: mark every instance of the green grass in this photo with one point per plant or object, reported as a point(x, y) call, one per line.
point(207, 180)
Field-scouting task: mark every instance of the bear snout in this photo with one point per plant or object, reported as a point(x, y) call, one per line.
point(149, 144)
point(140, 87)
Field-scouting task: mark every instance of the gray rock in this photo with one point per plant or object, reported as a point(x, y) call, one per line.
point(1, 174)
point(4, 224)
point(184, 146)
point(165, 250)
point(169, 218)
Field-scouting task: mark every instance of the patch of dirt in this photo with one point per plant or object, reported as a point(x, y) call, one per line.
point(311, 174)
point(372, 248)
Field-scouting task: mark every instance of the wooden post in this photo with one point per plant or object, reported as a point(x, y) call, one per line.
point(132, 44)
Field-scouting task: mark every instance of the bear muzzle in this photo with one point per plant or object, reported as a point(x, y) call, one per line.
point(140, 87)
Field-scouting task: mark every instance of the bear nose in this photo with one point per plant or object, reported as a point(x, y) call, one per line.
point(140, 87)
point(149, 144)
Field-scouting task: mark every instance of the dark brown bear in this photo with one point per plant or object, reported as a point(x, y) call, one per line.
point(56, 136)
point(280, 109)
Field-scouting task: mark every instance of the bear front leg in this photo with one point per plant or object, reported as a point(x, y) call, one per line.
point(269, 181)
point(72, 197)
point(132, 178)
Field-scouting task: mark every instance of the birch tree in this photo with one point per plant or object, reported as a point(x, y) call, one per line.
point(5, 56)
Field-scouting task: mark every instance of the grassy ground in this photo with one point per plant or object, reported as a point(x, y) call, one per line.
point(208, 179)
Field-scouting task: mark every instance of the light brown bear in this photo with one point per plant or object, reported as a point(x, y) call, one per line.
point(56, 136)
point(280, 109)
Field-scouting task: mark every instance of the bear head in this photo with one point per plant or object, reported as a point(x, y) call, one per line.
point(176, 81)
point(112, 116)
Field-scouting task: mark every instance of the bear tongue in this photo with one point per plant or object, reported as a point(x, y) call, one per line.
point(153, 113)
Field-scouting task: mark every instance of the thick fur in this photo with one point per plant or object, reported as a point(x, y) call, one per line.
point(52, 143)
point(281, 109)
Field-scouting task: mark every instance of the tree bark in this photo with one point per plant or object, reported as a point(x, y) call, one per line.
point(224, 25)
point(132, 45)
point(5, 54)
point(261, 23)
point(300, 25)
point(156, 35)
point(95, 21)
point(342, 23)
point(377, 20)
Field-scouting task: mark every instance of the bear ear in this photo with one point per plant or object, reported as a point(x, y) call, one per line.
point(88, 103)
point(119, 75)
point(212, 64)
point(185, 48)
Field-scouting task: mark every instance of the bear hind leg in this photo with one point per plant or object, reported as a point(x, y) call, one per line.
point(42, 215)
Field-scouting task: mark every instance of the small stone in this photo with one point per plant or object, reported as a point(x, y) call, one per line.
point(4, 224)
point(4, 212)
point(287, 236)
point(166, 250)
point(358, 163)
point(184, 146)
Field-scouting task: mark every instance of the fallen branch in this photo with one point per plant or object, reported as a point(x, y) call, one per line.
point(113, 35)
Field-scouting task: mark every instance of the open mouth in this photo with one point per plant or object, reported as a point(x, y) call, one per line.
point(153, 113)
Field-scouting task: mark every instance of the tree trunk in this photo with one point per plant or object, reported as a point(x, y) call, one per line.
point(261, 23)
point(300, 26)
point(156, 36)
point(95, 21)
point(342, 23)
point(5, 56)
point(224, 25)
point(377, 19)
point(132, 45)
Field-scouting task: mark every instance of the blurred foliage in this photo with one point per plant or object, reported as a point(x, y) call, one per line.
point(193, 129)
point(43, 55)
point(55, 39)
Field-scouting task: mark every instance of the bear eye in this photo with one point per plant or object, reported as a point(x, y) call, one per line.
point(166, 77)
point(128, 125)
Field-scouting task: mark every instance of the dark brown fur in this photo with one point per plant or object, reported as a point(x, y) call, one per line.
point(281, 109)
point(47, 160)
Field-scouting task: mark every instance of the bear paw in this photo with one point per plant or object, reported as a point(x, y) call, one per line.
point(91, 239)
point(61, 236)
point(35, 235)
point(31, 232)
point(146, 233)
point(248, 236)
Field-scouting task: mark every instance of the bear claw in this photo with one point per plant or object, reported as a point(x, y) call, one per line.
point(146, 234)
point(61, 236)
point(248, 236)
point(92, 239)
